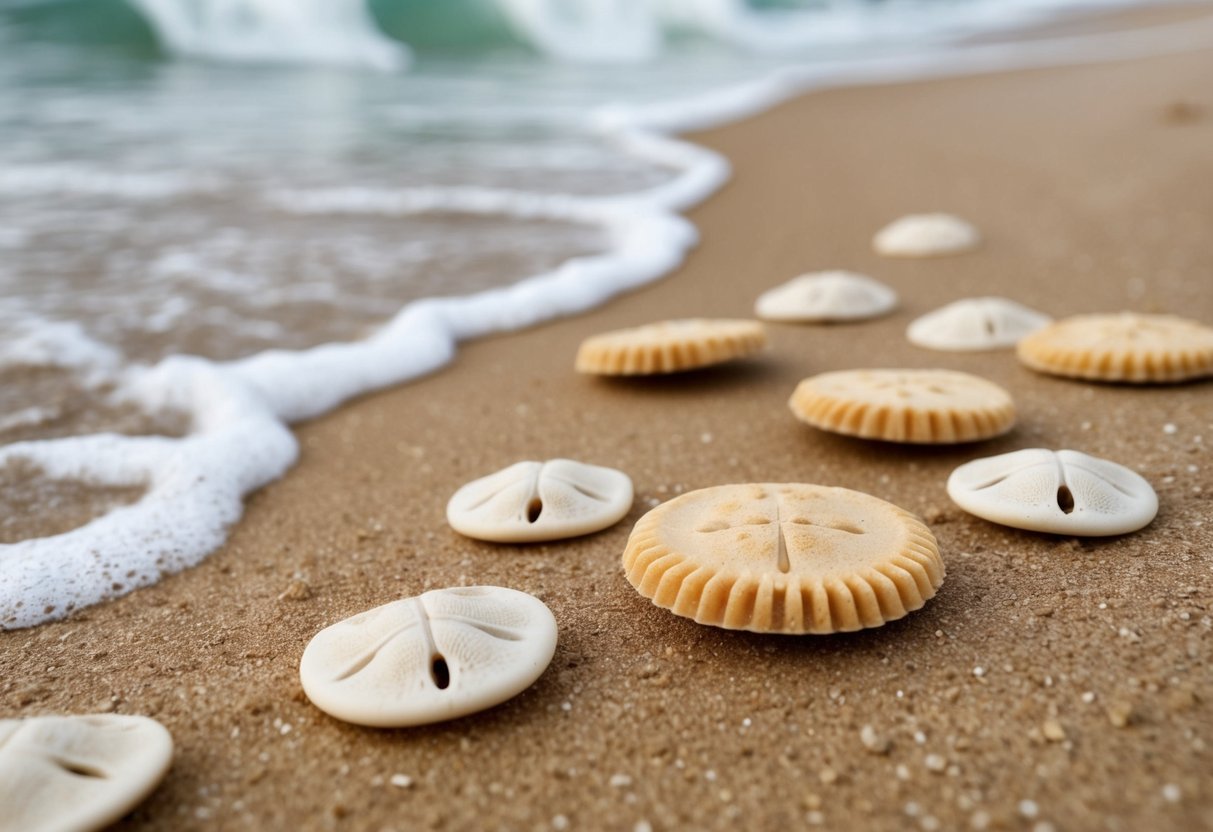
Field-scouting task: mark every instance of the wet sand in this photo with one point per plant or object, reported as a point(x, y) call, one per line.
point(1053, 683)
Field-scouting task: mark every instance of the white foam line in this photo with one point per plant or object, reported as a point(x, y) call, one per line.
point(240, 410)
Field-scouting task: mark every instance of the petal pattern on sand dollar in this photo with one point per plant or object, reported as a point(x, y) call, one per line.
point(437, 656)
point(534, 501)
point(1064, 492)
point(78, 772)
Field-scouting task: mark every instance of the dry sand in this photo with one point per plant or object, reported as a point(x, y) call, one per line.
point(1052, 684)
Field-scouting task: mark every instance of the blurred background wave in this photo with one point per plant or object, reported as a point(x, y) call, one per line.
point(387, 33)
point(148, 144)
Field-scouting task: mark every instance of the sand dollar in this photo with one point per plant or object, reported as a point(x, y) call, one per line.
point(533, 501)
point(826, 296)
point(1124, 347)
point(78, 772)
point(670, 346)
point(440, 655)
point(783, 558)
point(926, 235)
point(1063, 492)
point(916, 406)
point(975, 324)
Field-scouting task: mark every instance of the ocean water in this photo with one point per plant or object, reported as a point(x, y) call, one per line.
point(218, 217)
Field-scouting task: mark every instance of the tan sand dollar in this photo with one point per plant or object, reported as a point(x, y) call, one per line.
point(78, 772)
point(915, 406)
point(670, 346)
point(926, 235)
point(783, 558)
point(826, 296)
point(1063, 492)
point(1126, 347)
point(975, 324)
point(440, 655)
point(533, 501)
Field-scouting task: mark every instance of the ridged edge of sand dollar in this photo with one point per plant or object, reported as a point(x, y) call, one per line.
point(670, 346)
point(810, 606)
point(1057, 350)
point(850, 415)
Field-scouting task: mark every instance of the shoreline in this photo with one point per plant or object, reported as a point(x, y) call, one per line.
point(240, 410)
point(1083, 209)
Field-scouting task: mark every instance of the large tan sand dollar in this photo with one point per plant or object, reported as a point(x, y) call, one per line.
point(926, 235)
point(915, 406)
point(975, 324)
point(826, 296)
point(783, 558)
point(61, 773)
point(1125, 347)
point(1063, 492)
point(670, 346)
point(534, 501)
point(440, 655)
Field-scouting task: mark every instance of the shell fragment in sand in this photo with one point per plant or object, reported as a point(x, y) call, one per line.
point(535, 501)
point(437, 656)
point(78, 772)
point(670, 346)
point(1125, 347)
point(1063, 492)
point(917, 406)
point(926, 235)
point(783, 558)
point(826, 296)
point(975, 324)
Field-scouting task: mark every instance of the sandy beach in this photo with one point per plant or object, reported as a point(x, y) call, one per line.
point(1052, 684)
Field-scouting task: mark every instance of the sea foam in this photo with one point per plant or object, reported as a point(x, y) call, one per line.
point(239, 411)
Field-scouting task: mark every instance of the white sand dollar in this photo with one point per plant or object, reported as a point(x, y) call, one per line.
point(440, 655)
point(826, 296)
point(78, 772)
point(533, 501)
point(975, 324)
point(1063, 492)
point(926, 235)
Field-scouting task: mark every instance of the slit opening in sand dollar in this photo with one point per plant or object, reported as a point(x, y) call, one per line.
point(1065, 499)
point(781, 545)
point(440, 672)
point(533, 509)
point(79, 769)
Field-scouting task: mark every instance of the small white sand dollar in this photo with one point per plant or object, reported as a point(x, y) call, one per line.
point(78, 772)
point(926, 235)
point(1063, 492)
point(534, 501)
point(975, 324)
point(440, 655)
point(826, 296)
